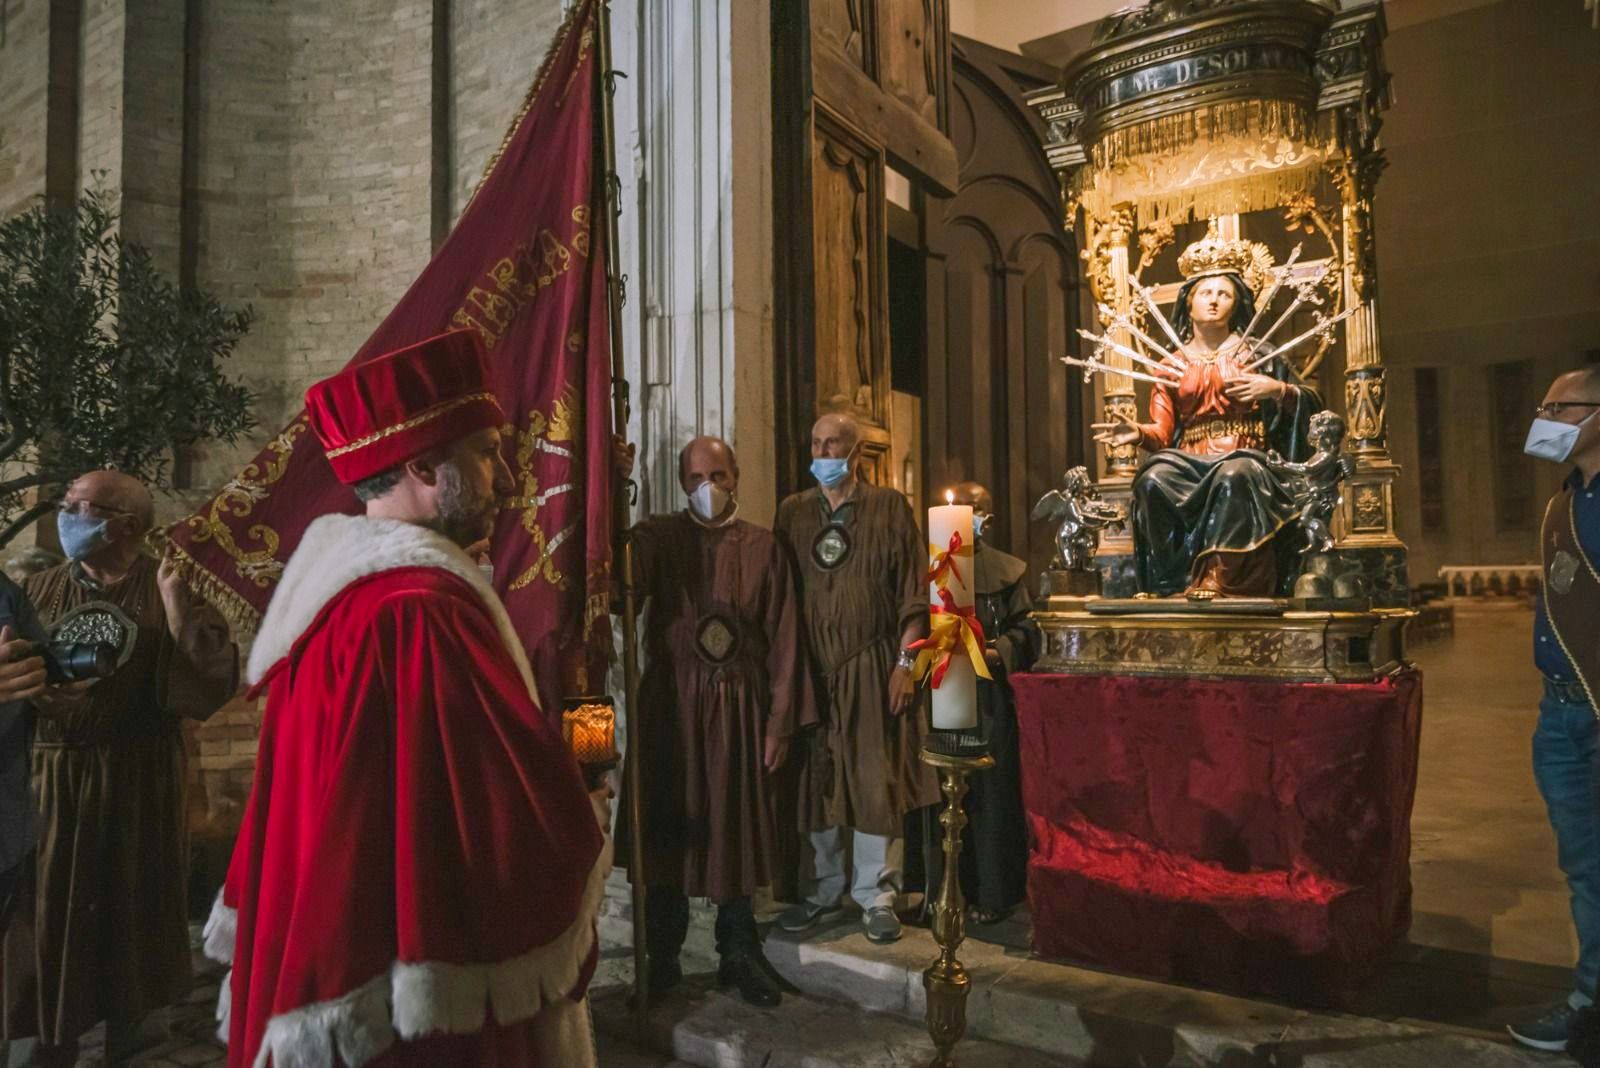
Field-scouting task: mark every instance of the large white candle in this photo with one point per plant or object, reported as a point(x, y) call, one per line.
point(955, 702)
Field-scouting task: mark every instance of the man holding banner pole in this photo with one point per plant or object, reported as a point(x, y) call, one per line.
point(527, 270)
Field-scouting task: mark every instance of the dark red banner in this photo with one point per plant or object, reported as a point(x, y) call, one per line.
point(525, 268)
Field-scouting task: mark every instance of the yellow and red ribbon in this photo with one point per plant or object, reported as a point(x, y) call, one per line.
point(945, 561)
point(951, 627)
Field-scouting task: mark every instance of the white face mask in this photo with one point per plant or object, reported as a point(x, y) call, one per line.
point(1552, 440)
point(708, 500)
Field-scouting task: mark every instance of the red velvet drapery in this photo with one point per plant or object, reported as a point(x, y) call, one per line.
point(1248, 836)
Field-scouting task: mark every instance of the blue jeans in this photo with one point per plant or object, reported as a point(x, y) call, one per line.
point(1564, 755)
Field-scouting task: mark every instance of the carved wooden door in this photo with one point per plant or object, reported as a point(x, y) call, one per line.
point(858, 86)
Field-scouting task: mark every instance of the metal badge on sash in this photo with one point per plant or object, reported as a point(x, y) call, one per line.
point(1563, 569)
point(832, 547)
point(716, 639)
point(96, 622)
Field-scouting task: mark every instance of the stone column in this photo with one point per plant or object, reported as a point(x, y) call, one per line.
point(695, 156)
point(1365, 523)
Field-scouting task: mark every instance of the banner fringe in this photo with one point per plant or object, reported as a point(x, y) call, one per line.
point(235, 609)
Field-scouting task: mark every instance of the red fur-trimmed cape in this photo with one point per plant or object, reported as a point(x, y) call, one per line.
point(419, 862)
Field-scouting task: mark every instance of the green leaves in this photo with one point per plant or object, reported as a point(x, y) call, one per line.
point(103, 361)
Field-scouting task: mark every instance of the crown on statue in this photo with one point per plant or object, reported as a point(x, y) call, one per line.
point(1212, 255)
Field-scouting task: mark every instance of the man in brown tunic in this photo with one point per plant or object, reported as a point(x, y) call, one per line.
point(862, 562)
point(106, 936)
point(723, 691)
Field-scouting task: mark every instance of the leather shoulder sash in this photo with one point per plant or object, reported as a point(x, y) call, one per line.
point(1572, 592)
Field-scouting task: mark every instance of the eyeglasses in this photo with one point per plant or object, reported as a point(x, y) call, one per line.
point(1550, 409)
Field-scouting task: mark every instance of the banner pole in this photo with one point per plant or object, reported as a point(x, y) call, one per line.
point(622, 521)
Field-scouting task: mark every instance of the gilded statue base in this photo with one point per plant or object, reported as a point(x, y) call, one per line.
point(1275, 640)
point(945, 980)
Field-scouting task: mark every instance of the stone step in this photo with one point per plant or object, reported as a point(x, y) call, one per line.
point(699, 1025)
point(1075, 1015)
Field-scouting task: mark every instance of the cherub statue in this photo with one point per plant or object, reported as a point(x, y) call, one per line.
point(1081, 515)
point(1315, 483)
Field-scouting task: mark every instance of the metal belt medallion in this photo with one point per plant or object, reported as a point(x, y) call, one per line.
point(1563, 569)
point(717, 639)
point(96, 622)
point(831, 547)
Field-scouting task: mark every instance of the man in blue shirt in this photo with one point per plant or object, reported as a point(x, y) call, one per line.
point(1567, 430)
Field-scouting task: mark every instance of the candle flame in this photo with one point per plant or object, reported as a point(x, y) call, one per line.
point(949, 496)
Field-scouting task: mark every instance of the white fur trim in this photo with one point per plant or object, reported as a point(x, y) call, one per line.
point(225, 1007)
point(429, 998)
point(221, 929)
point(356, 1026)
point(335, 551)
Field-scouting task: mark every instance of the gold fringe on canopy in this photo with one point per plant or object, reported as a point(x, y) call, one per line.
point(1219, 159)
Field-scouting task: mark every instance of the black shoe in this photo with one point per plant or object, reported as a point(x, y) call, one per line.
point(759, 960)
point(664, 975)
point(739, 971)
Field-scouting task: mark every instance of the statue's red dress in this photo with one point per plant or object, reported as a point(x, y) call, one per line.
point(1206, 505)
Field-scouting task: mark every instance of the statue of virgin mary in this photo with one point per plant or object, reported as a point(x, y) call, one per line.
point(1209, 512)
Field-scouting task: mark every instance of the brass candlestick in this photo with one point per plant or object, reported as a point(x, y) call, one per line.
point(946, 980)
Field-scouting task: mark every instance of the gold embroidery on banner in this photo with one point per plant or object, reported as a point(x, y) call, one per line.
point(237, 500)
point(551, 435)
point(512, 282)
point(580, 240)
point(411, 424)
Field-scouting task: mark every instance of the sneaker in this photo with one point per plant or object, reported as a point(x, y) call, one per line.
point(883, 926)
point(1549, 1030)
point(807, 915)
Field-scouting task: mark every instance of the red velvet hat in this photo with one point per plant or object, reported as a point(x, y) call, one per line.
point(380, 413)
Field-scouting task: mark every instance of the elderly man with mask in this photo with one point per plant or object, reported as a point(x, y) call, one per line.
point(1566, 650)
point(862, 564)
point(724, 690)
point(995, 861)
point(105, 935)
point(418, 873)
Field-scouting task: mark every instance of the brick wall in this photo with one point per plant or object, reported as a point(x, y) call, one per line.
point(495, 51)
point(24, 70)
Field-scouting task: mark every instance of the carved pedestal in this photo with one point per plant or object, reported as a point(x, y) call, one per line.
point(1262, 639)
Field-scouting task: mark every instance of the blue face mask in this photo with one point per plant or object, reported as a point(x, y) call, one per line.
point(829, 470)
point(80, 535)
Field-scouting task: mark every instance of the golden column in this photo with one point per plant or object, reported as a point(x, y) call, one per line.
point(1108, 257)
point(945, 980)
point(1366, 519)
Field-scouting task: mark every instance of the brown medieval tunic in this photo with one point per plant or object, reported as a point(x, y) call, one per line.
point(723, 672)
point(863, 769)
point(107, 934)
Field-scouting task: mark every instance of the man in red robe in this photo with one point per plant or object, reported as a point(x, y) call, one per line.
point(419, 870)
